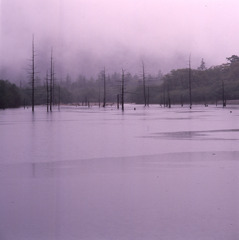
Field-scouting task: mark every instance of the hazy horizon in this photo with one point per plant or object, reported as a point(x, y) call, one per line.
point(87, 35)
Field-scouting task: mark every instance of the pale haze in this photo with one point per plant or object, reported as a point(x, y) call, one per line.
point(87, 35)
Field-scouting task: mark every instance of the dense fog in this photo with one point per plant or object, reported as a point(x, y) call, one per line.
point(87, 35)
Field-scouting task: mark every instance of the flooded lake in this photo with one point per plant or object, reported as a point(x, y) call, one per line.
point(100, 174)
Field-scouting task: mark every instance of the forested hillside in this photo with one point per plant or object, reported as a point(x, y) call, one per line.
point(207, 84)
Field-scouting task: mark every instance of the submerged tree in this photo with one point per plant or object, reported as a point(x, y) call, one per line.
point(51, 80)
point(33, 74)
point(144, 85)
point(99, 95)
point(223, 95)
point(122, 89)
point(104, 81)
point(47, 92)
point(59, 96)
point(169, 98)
point(190, 82)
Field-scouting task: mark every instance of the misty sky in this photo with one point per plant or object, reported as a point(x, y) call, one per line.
point(87, 35)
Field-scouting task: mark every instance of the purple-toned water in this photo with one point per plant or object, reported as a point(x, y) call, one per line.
point(92, 174)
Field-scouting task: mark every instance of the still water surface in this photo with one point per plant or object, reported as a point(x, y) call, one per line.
point(79, 173)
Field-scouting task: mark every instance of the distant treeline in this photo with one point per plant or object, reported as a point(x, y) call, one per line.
point(208, 85)
point(10, 95)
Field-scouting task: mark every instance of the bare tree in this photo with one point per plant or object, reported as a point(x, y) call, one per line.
point(51, 80)
point(164, 94)
point(99, 95)
point(190, 82)
point(169, 98)
point(122, 88)
point(47, 92)
point(181, 100)
point(104, 80)
point(118, 100)
point(144, 85)
point(59, 96)
point(223, 95)
point(33, 74)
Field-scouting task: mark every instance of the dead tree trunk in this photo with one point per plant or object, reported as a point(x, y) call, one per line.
point(118, 100)
point(99, 93)
point(164, 95)
point(59, 97)
point(33, 74)
point(122, 89)
point(190, 83)
point(181, 100)
point(104, 79)
point(51, 81)
point(47, 93)
point(53, 85)
point(144, 85)
point(223, 95)
point(169, 99)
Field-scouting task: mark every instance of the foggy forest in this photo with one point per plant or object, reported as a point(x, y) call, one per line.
point(209, 85)
point(81, 47)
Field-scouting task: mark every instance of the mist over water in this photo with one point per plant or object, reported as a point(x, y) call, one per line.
point(88, 35)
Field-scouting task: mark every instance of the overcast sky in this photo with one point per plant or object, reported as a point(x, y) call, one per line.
point(87, 35)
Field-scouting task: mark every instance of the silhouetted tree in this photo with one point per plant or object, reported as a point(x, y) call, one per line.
point(47, 92)
point(51, 80)
point(59, 97)
point(9, 95)
point(164, 94)
point(233, 59)
point(169, 98)
point(181, 100)
point(122, 89)
point(144, 84)
point(223, 95)
point(33, 74)
point(202, 66)
point(104, 81)
point(118, 100)
point(190, 82)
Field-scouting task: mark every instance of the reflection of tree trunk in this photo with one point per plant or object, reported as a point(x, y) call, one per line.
point(122, 90)
point(148, 96)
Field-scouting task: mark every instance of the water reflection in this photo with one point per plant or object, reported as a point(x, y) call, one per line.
point(228, 134)
point(89, 174)
point(146, 197)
